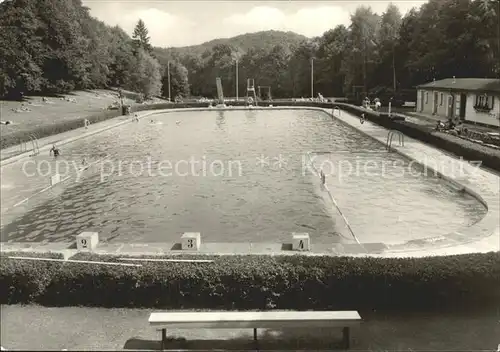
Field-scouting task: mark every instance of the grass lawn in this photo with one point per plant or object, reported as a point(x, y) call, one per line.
point(32, 327)
point(57, 109)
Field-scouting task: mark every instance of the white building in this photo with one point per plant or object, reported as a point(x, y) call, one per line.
point(468, 99)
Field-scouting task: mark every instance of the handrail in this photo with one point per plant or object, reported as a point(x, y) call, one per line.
point(390, 135)
point(22, 145)
point(34, 143)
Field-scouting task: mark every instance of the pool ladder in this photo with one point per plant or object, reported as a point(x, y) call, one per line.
point(336, 108)
point(390, 135)
point(34, 145)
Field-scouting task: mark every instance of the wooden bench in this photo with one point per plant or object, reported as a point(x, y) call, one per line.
point(255, 320)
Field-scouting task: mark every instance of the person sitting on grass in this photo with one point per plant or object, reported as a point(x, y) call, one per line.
point(440, 126)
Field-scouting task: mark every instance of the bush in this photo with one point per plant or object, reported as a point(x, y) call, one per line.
point(24, 281)
point(259, 282)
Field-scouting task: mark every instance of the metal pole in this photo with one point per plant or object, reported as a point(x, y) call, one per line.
point(498, 40)
point(312, 77)
point(237, 80)
point(168, 75)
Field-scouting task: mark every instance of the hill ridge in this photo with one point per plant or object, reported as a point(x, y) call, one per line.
point(244, 42)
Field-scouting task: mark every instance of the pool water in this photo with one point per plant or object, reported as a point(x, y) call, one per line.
point(241, 176)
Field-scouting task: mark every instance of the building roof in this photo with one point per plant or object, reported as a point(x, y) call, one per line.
point(470, 84)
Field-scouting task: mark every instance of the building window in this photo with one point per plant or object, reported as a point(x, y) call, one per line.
point(426, 97)
point(441, 99)
point(484, 102)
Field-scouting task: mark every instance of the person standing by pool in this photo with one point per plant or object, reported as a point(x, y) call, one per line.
point(54, 150)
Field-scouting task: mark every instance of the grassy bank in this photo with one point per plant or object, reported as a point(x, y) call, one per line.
point(46, 116)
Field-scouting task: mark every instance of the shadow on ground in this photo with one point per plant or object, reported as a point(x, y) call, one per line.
point(286, 339)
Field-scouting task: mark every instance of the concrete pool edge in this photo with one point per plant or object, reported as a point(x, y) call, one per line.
point(378, 249)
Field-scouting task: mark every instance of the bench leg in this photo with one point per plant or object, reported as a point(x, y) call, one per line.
point(256, 343)
point(163, 339)
point(346, 337)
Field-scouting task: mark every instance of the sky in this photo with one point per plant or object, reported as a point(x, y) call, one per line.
point(183, 23)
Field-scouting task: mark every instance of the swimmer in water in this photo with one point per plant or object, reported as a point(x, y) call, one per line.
point(362, 119)
point(55, 151)
point(323, 177)
point(152, 121)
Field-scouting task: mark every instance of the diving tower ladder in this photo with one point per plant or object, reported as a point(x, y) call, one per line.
point(251, 96)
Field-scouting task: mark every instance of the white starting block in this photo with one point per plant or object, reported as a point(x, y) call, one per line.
point(191, 241)
point(301, 242)
point(55, 179)
point(87, 241)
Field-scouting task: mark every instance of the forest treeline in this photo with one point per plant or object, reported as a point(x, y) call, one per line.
point(55, 46)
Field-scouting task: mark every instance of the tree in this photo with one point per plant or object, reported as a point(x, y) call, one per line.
point(329, 57)
point(179, 85)
point(389, 33)
point(140, 37)
point(146, 78)
point(362, 47)
point(121, 51)
point(21, 67)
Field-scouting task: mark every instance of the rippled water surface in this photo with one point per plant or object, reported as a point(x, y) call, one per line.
point(247, 180)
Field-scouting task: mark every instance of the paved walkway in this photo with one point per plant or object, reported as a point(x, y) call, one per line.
point(87, 329)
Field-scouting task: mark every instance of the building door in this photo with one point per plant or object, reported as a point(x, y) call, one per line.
point(450, 106)
point(421, 101)
point(435, 104)
point(463, 106)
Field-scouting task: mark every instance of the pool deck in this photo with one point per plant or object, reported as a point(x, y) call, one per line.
point(484, 236)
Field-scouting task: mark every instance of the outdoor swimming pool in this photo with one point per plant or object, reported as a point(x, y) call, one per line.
point(239, 176)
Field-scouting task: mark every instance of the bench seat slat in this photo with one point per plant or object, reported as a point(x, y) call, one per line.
point(254, 319)
point(258, 325)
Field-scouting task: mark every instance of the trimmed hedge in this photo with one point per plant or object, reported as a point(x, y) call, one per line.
point(28, 279)
point(259, 282)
